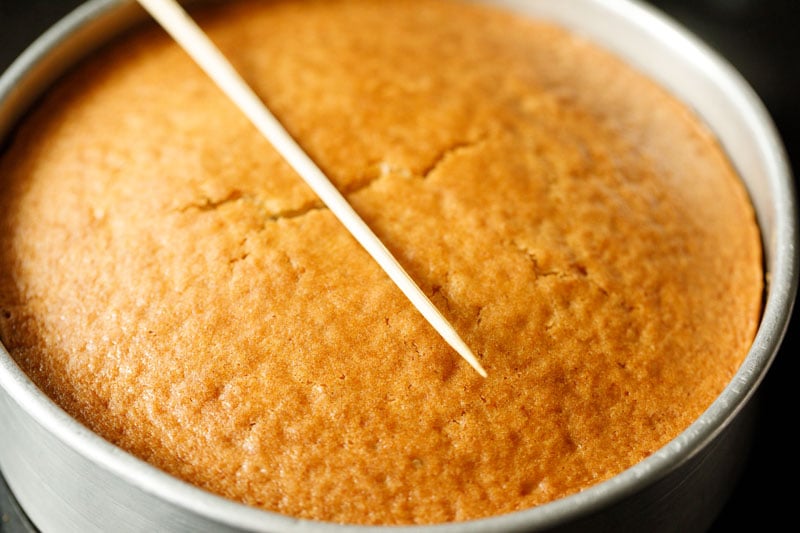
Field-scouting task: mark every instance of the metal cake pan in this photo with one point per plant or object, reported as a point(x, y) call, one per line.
point(68, 479)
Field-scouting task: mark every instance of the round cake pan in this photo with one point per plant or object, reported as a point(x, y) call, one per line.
point(68, 479)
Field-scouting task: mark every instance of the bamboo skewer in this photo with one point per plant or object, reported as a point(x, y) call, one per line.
point(197, 44)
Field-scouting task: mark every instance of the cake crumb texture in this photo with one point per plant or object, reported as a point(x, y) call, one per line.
point(168, 280)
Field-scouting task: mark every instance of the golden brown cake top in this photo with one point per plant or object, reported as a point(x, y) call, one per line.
point(170, 282)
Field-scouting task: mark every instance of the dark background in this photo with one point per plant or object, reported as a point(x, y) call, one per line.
point(761, 38)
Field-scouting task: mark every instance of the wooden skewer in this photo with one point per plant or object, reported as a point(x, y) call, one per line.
point(172, 17)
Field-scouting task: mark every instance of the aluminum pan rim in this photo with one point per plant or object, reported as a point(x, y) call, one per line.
point(782, 265)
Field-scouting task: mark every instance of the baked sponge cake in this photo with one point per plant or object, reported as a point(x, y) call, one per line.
point(170, 282)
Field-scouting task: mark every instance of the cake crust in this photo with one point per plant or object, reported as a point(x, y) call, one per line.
point(170, 282)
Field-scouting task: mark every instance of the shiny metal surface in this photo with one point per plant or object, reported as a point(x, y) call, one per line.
point(12, 518)
point(68, 479)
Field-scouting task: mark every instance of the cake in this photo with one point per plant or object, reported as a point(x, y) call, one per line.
point(168, 280)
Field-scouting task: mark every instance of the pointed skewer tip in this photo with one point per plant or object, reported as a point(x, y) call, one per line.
point(467, 354)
